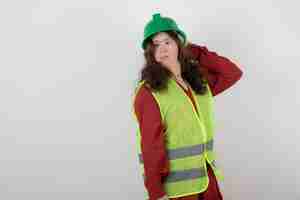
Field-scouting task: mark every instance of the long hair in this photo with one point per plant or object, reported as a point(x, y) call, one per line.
point(156, 76)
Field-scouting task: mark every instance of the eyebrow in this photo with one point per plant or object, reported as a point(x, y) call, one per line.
point(161, 40)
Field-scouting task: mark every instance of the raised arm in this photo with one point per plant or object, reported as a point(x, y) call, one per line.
point(222, 72)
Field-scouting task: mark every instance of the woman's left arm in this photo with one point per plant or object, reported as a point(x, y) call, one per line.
point(222, 72)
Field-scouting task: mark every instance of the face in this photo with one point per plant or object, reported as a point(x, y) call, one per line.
point(166, 49)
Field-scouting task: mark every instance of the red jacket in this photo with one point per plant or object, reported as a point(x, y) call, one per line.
point(222, 74)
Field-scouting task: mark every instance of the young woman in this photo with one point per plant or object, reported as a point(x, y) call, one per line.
point(173, 105)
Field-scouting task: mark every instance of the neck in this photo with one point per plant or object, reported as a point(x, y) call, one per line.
point(175, 69)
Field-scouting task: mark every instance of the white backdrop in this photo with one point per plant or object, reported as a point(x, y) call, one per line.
point(67, 71)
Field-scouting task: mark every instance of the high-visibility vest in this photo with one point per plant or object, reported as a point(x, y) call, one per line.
point(189, 139)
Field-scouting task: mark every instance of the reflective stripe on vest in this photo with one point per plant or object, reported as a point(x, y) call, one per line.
point(184, 175)
point(188, 174)
point(186, 151)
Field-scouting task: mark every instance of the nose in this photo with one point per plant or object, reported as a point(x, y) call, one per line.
point(162, 49)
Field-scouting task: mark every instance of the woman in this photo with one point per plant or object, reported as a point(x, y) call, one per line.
point(173, 105)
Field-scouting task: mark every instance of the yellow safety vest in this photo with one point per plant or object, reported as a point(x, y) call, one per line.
point(188, 139)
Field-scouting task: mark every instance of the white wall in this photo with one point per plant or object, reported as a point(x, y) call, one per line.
point(67, 70)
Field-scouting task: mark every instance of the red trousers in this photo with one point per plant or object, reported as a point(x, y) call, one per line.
point(212, 192)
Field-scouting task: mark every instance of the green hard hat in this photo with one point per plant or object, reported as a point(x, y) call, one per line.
point(160, 24)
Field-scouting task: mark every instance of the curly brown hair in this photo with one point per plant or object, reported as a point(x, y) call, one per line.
point(156, 76)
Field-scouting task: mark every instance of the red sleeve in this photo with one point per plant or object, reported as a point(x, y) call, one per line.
point(154, 154)
point(222, 73)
